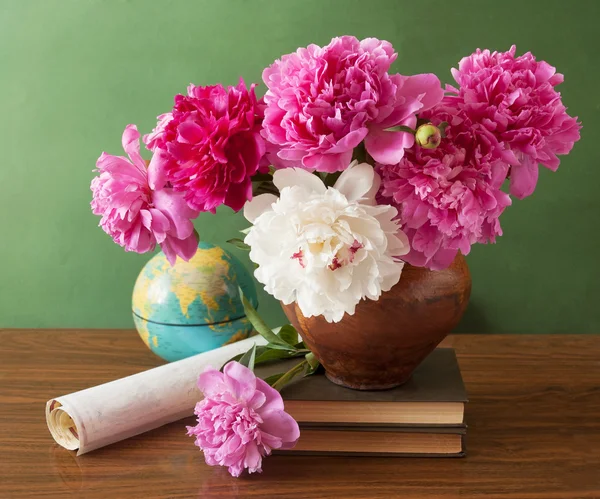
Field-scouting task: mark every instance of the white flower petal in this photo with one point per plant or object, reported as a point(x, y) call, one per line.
point(369, 197)
point(356, 181)
point(322, 248)
point(390, 275)
point(258, 205)
point(289, 177)
point(398, 244)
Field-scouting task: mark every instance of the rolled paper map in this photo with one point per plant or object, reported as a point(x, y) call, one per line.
point(108, 413)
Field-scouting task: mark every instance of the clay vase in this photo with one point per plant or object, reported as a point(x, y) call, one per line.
point(385, 340)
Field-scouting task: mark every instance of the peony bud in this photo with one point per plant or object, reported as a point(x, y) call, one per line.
point(428, 136)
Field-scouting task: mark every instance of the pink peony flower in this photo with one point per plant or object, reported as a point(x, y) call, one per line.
point(515, 98)
point(209, 146)
point(448, 198)
point(323, 102)
point(240, 419)
point(136, 216)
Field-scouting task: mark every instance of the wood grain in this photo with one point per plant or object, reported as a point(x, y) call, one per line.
point(533, 416)
point(381, 344)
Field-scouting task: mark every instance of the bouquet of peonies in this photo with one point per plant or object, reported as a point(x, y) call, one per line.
point(345, 172)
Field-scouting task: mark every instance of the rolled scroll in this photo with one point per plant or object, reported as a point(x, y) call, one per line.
point(108, 413)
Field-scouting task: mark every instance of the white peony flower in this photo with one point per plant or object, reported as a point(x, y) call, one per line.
point(325, 248)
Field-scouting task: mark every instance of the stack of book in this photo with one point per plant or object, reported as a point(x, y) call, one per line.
point(423, 417)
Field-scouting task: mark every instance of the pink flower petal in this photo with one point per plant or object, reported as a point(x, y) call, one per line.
point(350, 141)
point(209, 146)
point(157, 176)
point(240, 380)
point(183, 248)
point(211, 382)
point(523, 178)
point(448, 197)
point(159, 224)
point(442, 259)
point(425, 87)
point(156, 139)
point(131, 145)
point(132, 213)
point(253, 459)
point(388, 147)
point(173, 205)
point(282, 424)
point(239, 420)
point(329, 163)
point(321, 102)
point(273, 400)
point(190, 132)
point(238, 194)
point(121, 167)
point(514, 98)
point(257, 400)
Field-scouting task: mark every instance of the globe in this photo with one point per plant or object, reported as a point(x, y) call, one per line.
point(192, 307)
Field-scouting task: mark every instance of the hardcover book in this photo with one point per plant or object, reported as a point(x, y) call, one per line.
point(434, 396)
point(380, 441)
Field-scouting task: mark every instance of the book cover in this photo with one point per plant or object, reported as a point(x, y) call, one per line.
point(380, 441)
point(434, 395)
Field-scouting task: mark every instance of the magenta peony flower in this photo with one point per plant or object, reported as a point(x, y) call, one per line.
point(209, 146)
point(449, 197)
point(136, 216)
point(240, 419)
point(323, 102)
point(515, 98)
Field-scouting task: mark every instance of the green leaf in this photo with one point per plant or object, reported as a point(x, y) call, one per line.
point(400, 128)
point(248, 358)
point(312, 364)
point(236, 359)
point(260, 350)
point(312, 360)
point(289, 348)
point(331, 179)
point(259, 324)
point(245, 231)
point(360, 153)
point(262, 177)
point(270, 380)
point(288, 334)
point(275, 354)
point(264, 354)
point(264, 188)
point(238, 243)
point(288, 376)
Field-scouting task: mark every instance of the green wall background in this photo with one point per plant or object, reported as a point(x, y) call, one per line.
point(75, 72)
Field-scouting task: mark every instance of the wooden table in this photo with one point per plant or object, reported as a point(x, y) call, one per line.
point(533, 416)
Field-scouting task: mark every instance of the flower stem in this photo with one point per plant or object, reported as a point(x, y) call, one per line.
point(288, 376)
